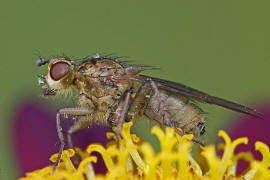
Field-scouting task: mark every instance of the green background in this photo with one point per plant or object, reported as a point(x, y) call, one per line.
point(220, 47)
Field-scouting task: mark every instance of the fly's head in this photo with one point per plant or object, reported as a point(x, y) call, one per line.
point(60, 75)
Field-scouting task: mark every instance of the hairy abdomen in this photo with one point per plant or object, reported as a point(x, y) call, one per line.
point(180, 110)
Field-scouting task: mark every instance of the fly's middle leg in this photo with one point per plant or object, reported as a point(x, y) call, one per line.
point(122, 115)
point(135, 107)
point(140, 102)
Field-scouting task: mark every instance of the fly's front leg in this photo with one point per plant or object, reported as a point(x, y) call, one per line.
point(82, 122)
point(140, 102)
point(71, 112)
point(85, 121)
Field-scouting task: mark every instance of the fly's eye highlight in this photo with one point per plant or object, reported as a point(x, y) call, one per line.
point(59, 70)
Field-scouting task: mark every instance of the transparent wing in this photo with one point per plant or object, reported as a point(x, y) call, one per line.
point(201, 96)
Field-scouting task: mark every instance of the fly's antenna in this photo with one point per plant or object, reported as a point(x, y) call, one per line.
point(41, 62)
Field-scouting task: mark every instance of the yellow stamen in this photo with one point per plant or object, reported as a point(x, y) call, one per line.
point(129, 158)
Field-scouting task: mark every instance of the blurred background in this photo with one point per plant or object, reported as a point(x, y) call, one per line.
point(219, 47)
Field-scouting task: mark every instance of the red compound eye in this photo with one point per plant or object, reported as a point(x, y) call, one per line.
point(59, 70)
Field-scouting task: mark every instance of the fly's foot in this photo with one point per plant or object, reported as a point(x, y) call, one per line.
point(193, 140)
point(199, 143)
point(118, 137)
point(76, 159)
point(178, 131)
point(59, 157)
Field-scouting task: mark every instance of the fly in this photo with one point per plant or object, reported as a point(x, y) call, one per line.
point(110, 93)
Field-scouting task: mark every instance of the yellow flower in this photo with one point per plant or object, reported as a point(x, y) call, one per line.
point(132, 159)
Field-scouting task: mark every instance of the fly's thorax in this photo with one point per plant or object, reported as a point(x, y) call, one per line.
point(99, 97)
point(96, 68)
point(60, 75)
point(96, 86)
point(99, 76)
point(180, 110)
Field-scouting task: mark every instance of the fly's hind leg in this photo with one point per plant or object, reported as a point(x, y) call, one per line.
point(134, 108)
point(164, 114)
point(69, 112)
point(81, 123)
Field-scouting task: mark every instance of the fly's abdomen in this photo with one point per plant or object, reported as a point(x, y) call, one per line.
point(180, 110)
